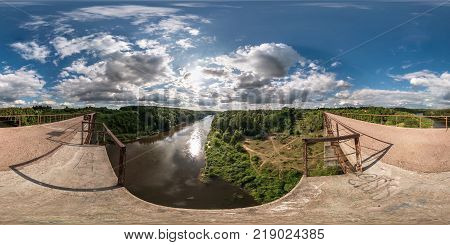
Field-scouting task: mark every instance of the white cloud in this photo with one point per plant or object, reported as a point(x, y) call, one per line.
point(100, 42)
point(35, 23)
point(336, 5)
point(436, 84)
point(265, 74)
point(426, 78)
point(117, 78)
point(19, 84)
point(175, 24)
point(136, 12)
point(386, 98)
point(31, 51)
point(185, 43)
point(430, 89)
point(147, 43)
point(266, 61)
point(335, 64)
point(19, 102)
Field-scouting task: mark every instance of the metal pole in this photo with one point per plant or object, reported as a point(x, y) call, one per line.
point(446, 122)
point(420, 122)
point(82, 132)
point(305, 157)
point(337, 130)
point(122, 157)
point(358, 155)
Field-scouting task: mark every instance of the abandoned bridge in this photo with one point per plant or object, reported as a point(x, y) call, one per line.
point(48, 177)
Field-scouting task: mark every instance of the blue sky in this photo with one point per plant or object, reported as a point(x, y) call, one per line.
point(225, 55)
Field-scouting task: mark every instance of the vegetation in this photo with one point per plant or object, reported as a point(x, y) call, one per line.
point(399, 121)
point(127, 123)
point(228, 159)
point(321, 170)
point(36, 110)
point(132, 122)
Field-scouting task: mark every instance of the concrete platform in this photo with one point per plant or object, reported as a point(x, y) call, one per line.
point(76, 185)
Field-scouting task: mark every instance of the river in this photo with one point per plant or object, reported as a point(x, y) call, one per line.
point(164, 169)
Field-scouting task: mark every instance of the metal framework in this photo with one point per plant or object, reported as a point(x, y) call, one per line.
point(355, 116)
point(89, 126)
point(41, 119)
point(335, 140)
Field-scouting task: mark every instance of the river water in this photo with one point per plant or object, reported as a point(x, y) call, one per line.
point(164, 169)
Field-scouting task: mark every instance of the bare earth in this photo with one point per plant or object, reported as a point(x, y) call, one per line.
point(76, 185)
point(421, 150)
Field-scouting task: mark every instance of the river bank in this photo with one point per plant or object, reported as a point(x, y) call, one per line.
point(165, 168)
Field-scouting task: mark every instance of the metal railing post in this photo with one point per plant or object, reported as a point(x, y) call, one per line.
point(337, 130)
point(122, 159)
point(358, 155)
point(82, 132)
point(305, 157)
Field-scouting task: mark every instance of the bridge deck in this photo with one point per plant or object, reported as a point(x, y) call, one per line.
point(421, 150)
point(23, 144)
point(75, 185)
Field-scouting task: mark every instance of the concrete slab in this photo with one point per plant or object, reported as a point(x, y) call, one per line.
point(384, 194)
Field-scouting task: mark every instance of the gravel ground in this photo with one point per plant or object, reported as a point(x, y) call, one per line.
point(22, 144)
point(420, 150)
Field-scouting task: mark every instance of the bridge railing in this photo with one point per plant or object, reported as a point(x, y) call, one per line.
point(100, 134)
point(25, 119)
point(336, 133)
point(398, 119)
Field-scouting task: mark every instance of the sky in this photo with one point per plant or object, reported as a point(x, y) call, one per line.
point(225, 55)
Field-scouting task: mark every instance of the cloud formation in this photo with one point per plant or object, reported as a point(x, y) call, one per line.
point(100, 42)
point(270, 73)
point(19, 84)
point(118, 77)
point(135, 12)
point(31, 51)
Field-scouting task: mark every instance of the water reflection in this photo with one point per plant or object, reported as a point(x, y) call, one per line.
point(194, 144)
point(164, 169)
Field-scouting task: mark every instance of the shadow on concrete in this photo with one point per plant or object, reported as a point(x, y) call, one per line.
point(56, 133)
point(16, 168)
point(61, 188)
point(377, 154)
point(380, 154)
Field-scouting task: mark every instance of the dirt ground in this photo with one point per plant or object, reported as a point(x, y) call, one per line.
point(281, 153)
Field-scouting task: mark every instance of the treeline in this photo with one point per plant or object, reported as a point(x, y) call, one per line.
point(132, 122)
point(428, 112)
point(408, 119)
point(42, 110)
point(260, 123)
point(37, 110)
point(227, 158)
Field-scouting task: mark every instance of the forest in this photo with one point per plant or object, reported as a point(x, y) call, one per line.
point(133, 122)
point(227, 158)
point(34, 111)
point(407, 119)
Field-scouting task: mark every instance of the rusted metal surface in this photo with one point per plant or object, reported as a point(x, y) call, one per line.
point(334, 137)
